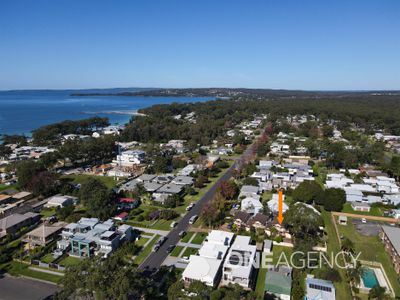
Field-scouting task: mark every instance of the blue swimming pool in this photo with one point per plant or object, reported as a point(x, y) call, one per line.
point(369, 278)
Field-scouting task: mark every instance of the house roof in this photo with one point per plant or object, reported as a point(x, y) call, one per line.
point(242, 216)
point(261, 218)
point(170, 188)
point(220, 237)
point(318, 289)
point(202, 268)
point(249, 189)
point(393, 234)
point(15, 219)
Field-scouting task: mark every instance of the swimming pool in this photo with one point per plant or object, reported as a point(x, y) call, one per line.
point(369, 278)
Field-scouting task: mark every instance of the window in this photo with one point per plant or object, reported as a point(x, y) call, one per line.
point(320, 287)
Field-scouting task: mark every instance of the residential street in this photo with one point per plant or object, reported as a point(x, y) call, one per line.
point(155, 259)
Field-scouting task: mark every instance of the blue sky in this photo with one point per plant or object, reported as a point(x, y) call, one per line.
point(325, 45)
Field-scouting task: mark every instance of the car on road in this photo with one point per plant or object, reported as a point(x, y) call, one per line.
point(190, 206)
point(170, 248)
point(364, 220)
point(156, 247)
point(182, 233)
point(193, 219)
point(173, 224)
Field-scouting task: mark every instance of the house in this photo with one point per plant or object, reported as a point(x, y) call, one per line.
point(342, 220)
point(207, 266)
point(241, 218)
point(273, 204)
point(61, 201)
point(391, 239)
point(238, 268)
point(160, 197)
point(4, 199)
point(353, 195)
point(163, 178)
point(90, 237)
point(44, 234)
point(203, 269)
point(171, 189)
point(130, 158)
point(251, 206)
point(113, 129)
point(258, 221)
point(220, 237)
point(361, 206)
point(183, 180)
point(129, 186)
point(248, 191)
point(127, 203)
point(318, 289)
point(211, 160)
point(22, 196)
point(121, 217)
point(278, 282)
point(145, 177)
point(188, 170)
point(13, 223)
point(151, 186)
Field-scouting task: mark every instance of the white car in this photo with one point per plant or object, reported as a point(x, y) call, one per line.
point(364, 220)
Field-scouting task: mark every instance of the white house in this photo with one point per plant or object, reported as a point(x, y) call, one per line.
point(130, 158)
point(273, 204)
point(251, 205)
point(61, 201)
point(238, 266)
point(318, 289)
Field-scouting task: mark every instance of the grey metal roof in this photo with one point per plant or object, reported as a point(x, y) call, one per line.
point(393, 234)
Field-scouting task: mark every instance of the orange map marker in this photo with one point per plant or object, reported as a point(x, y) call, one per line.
point(280, 207)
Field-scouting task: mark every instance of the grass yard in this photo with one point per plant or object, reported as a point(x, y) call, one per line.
point(260, 286)
point(199, 238)
point(48, 258)
point(70, 261)
point(109, 181)
point(187, 237)
point(375, 211)
point(19, 269)
point(146, 251)
point(48, 212)
point(177, 250)
point(141, 241)
point(189, 251)
point(371, 249)
point(342, 288)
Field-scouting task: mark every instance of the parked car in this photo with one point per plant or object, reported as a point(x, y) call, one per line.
point(182, 233)
point(173, 224)
point(170, 248)
point(193, 219)
point(364, 220)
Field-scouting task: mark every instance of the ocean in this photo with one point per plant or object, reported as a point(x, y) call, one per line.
point(23, 111)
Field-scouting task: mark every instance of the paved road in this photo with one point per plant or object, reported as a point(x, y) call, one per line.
point(12, 288)
point(155, 259)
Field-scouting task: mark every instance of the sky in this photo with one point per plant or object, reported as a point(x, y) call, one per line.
point(309, 45)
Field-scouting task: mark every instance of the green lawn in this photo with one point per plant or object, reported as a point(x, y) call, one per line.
point(342, 288)
point(70, 261)
point(375, 211)
point(141, 241)
point(371, 249)
point(260, 286)
point(48, 212)
point(109, 181)
point(177, 250)
point(187, 237)
point(19, 269)
point(48, 258)
point(189, 251)
point(146, 251)
point(199, 238)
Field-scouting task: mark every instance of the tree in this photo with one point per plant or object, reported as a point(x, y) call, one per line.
point(97, 199)
point(308, 192)
point(229, 189)
point(329, 274)
point(378, 293)
point(347, 245)
point(43, 183)
point(334, 199)
point(250, 181)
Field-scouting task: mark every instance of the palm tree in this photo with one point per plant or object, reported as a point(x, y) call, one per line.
point(347, 246)
point(378, 293)
point(355, 273)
